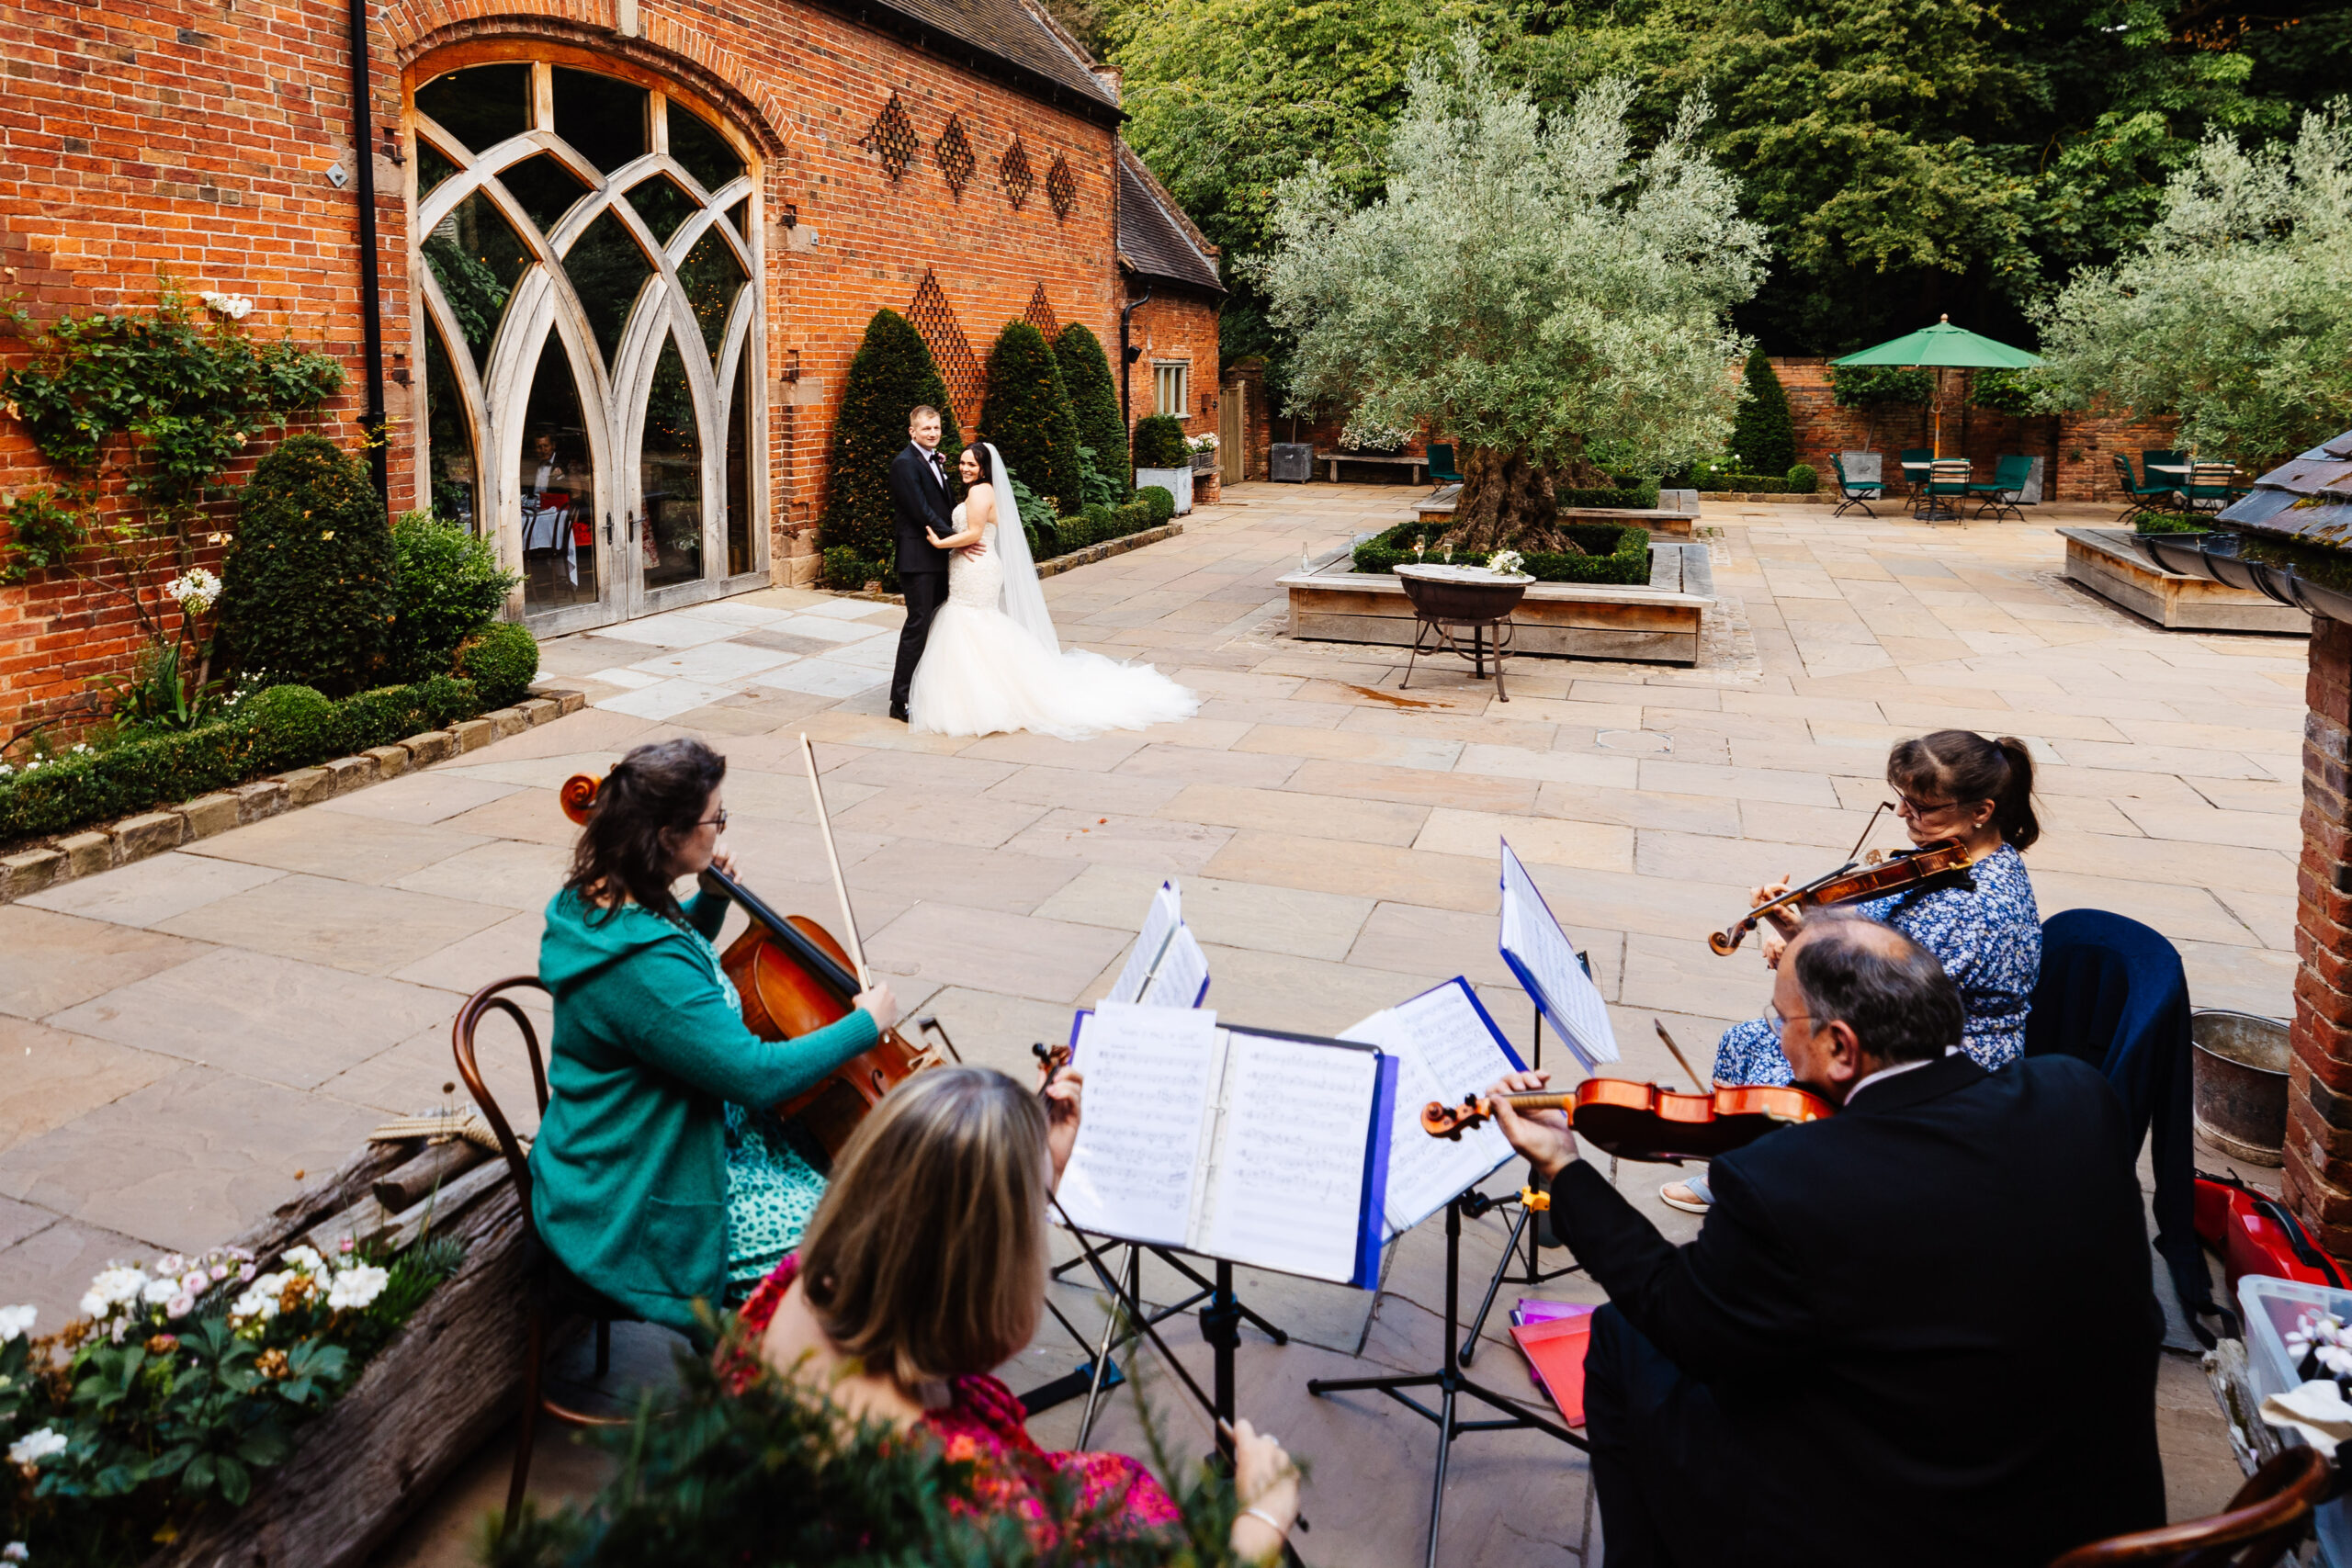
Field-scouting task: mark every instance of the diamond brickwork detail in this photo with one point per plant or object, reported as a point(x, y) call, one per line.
point(950, 349)
point(1061, 187)
point(892, 136)
point(1013, 170)
point(1040, 314)
point(954, 153)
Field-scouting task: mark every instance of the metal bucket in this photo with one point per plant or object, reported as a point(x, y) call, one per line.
point(2239, 1100)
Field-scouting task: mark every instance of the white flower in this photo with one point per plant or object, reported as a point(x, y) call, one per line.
point(34, 1447)
point(232, 306)
point(15, 1551)
point(304, 1258)
point(180, 1305)
point(118, 1286)
point(194, 591)
point(358, 1286)
point(16, 1320)
point(158, 1292)
point(1504, 562)
point(194, 1282)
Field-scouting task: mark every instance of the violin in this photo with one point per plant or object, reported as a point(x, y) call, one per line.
point(1640, 1121)
point(794, 977)
point(1876, 875)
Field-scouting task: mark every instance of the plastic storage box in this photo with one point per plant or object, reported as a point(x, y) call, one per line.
point(2272, 1308)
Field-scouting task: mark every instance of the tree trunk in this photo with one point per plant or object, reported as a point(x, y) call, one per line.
point(1505, 504)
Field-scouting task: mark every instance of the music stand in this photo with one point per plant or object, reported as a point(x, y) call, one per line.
point(1478, 1204)
point(1451, 1384)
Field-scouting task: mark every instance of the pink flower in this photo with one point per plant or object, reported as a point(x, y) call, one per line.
point(346, 1244)
point(192, 1284)
point(181, 1305)
point(245, 1275)
point(219, 1270)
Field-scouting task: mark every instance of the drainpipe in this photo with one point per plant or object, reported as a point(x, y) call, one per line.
point(1128, 356)
point(371, 304)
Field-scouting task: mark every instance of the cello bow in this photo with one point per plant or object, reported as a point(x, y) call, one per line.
point(833, 860)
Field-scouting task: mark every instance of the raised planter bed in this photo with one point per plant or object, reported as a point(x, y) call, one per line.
point(1674, 516)
point(1659, 624)
point(2103, 561)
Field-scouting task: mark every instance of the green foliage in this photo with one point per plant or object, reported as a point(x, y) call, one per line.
point(450, 587)
point(1028, 415)
point(1159, 502)
point(44, 531)
point(309, 588)
point(283, 726)
point(1098, 523)
point(1713, 478)
point(1038, 520)
point(2005, 391)
point(891, 375)
point(1159, 443)
point(476, 296)
point(774, 1476)
point(2173, 523)
point(1614, 553)
point(1527, 283)
point(160, 698)
point(849, 572)
point(1094, 399)
point(1098, 488)
point(1762, 439)
point(2232, 311)
point(1803, 481)
point(502, 661)
point(1880, 386)
point(1639, 497)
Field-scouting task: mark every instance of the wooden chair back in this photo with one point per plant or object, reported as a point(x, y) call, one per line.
point(491, 998)
point(1949, 475)
point(2260, 1526)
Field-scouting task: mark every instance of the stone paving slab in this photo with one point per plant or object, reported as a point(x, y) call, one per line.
point(205, 1023)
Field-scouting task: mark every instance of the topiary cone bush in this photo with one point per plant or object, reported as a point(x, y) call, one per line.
point(1095, 398)
point(1762, 439)
point(309, 588)
point(891, 375)
point(1028, 416)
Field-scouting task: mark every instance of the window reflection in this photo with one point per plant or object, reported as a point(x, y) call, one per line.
point(431, 168)
point(602, 117)
point(670, 476)
point(712, 278)
point(543, 188)
point(606, 270)
point(481, 105)
point(700, 150)
point(664, 206)
point(559, 538)
point(738, 469)
point(477, 257)
point(449, 437)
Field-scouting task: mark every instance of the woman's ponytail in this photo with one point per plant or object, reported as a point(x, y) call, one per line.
point(2013, 807)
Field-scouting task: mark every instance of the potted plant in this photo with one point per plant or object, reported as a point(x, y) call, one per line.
point(1164, 458)
point(1204, 451)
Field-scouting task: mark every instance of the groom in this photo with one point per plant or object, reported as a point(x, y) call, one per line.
point(919, 501)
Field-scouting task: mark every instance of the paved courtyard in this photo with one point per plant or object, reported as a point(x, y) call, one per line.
point(191, 1034)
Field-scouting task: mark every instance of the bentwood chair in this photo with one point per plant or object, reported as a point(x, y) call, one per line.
point(1858, 481)
point(2263, 1523)
point(2213, 486)
point(552, 1293)
point(1947, 486)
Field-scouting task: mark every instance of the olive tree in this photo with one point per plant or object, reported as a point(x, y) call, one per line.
point(1533, 288)
point(2235, 313)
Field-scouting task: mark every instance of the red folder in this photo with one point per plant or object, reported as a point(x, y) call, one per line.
point(1554, 1353)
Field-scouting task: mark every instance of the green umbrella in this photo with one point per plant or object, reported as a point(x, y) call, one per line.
point(1943, 346)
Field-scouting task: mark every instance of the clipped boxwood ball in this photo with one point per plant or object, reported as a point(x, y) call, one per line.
point(502, 659)
point(290, 721)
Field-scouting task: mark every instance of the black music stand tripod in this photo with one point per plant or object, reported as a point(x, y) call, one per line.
point(1475, 1203)
point(1451, 1384)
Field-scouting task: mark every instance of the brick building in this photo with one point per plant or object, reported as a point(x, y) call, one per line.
point(626, 250)
point(1170, 296)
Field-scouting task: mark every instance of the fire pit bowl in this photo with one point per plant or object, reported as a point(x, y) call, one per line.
point(1463, 593)
point(2239, 1097)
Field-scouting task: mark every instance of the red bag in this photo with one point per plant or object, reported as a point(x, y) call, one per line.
point(2256, 1234)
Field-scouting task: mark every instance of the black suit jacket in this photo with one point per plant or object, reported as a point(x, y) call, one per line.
point(918, 501)
point(1930, 1320)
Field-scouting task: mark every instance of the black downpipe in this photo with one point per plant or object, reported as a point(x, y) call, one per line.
point(371, 302)
point(1127, 357)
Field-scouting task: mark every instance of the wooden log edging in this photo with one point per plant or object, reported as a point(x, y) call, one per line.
point(428, 1399)
point(106, 845)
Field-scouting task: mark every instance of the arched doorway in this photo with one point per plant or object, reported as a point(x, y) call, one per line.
point(585, 255)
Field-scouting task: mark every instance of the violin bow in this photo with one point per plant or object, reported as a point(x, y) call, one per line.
point(834, 859)
point(1698, 1083)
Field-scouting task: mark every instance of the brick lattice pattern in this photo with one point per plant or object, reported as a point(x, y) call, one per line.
point(1061, 187)
point(893, 136)
point(954, 152)
point(959, 366)
point(1013, 170)
point(1040, 314)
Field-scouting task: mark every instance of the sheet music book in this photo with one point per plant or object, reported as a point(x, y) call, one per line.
point(1543, 958)
point(1167, 967)
point(1446, 1045)
point(1248, 1145)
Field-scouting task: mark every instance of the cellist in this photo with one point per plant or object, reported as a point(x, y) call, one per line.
point(658, 1178)
point(1983, 927)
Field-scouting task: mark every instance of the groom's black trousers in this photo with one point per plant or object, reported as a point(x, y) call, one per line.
point(925, 592)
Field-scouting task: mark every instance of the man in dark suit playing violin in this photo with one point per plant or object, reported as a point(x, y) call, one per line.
point(1921, 1331)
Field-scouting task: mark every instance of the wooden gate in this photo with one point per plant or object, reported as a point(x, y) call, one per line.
point(1231, 421)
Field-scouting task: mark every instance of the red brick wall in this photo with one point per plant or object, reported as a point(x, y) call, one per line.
point(2319, 1111)
point(1175, 325)
point(192, 142)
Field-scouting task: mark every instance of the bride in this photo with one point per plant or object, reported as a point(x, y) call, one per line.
point(992, 661)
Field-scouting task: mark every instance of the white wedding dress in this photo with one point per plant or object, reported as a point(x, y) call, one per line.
point(983, 671)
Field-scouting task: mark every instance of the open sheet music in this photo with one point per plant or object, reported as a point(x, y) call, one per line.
point(1446, 1046)
point(1167, 967)
point(1543, 958)
point(1254, 1147)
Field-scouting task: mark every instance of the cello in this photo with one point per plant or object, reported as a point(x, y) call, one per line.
point(1640, 1121)
point(794, 977)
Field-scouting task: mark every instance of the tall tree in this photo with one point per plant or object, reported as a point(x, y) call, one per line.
point(891, 375)
point(1028, 415)
point(1762, 439)
point(1538, 290)
point(1094, 399)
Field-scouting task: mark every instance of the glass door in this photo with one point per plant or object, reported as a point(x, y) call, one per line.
point(589, 293)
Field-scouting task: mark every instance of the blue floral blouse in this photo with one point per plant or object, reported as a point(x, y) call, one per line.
point(1988, 937)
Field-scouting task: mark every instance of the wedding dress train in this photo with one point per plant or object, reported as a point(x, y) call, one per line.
point(983, 670)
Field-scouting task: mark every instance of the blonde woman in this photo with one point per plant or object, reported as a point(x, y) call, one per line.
point(925, 1267)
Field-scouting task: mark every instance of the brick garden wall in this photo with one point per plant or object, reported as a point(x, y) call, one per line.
point(1174, 324)
point(2318, 1180)
point(193, 141)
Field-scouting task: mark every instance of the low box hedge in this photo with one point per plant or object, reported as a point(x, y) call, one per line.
point(1756, 484)
point(1613, 554)
point(1632, 498)
point(267, 733)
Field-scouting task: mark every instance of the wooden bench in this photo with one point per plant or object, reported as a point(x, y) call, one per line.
point(1393, 459)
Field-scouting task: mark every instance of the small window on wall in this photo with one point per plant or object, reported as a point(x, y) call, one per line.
point(1171, 384)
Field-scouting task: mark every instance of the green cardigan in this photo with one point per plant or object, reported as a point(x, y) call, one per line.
point(628, 1173)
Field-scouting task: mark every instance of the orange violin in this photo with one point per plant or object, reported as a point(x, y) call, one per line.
point(1880, 875)
point(1640, 1121)
point(792, 979)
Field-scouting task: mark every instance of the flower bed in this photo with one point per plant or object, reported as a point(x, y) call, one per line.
point(168, 1408)
point(1613, 554)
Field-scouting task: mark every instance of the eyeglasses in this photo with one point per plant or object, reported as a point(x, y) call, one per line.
point(719, 821)
point(1781, 1020)
point(1918, 808)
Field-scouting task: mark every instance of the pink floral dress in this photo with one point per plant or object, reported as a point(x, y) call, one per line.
point(984, 1425)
